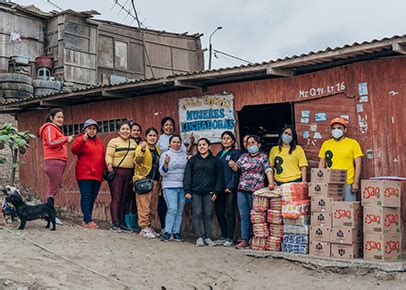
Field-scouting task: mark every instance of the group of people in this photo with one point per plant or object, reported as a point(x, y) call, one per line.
point(155, 174)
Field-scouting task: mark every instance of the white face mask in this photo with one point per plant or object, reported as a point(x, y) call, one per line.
point(337, 133)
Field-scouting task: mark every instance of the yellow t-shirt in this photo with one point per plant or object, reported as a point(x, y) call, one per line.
point(341, 155)
point(287, 166)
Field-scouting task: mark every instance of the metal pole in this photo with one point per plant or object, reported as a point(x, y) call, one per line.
point(210, 46)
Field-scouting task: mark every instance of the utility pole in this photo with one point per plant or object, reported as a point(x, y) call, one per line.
point(211, 47)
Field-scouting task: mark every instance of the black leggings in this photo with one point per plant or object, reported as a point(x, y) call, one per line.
point(226, 205)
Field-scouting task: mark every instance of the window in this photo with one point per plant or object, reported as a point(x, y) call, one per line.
point(106, 126)
point(106, 57)
point(121, 57)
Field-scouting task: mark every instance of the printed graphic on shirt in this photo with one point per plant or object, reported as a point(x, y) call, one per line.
point(329, 158)
point(278, 164)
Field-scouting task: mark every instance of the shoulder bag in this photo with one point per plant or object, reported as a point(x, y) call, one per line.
point(145, 184)
point(109, 175)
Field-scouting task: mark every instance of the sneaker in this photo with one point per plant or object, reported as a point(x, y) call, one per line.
point(228, 243)
point(155, 232)
point(165, 237)
point(125, 229)
point(220, 241)
point(242, 245)
point(147, 233)
point(200, 242)
point(209, 242)
point(177, 238)
point(115, 228)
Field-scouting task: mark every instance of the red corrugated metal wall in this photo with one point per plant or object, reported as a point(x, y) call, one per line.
point(384, 115)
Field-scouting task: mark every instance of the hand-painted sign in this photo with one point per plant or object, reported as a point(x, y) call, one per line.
point(206, 116)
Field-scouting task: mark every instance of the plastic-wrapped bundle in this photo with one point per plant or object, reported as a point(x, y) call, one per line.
point(294, 191)
point(258, 243)
point(295, 248)
point(276, 204)
point(276, 230)
point(293, 210)
point(260, 203)
point(273, 244)
point(300, 221)
point(257, 217)
point(296, 239)
point(261, 230)
point(274, 217)
point(288, 229)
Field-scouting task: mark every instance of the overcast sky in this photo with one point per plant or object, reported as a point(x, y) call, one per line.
point(259, 30)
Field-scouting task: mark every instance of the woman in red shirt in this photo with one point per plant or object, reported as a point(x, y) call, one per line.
point(55, 152)
point(89, 169)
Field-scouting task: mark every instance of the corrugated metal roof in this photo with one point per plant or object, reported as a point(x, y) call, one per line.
point(294, 62)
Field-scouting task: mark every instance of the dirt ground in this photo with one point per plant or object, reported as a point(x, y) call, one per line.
point(74, 257)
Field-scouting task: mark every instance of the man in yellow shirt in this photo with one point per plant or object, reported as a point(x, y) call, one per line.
point(341, 152)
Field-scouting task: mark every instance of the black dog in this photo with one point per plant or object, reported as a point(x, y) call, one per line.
point(32, 212)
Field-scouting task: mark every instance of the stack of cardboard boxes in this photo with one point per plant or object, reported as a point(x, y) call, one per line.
point(382, 237)
point(325, 188)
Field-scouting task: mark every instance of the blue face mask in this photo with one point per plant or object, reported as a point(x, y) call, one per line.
point(253, 149)
point(286, 138)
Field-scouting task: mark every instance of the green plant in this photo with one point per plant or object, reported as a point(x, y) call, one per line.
point(18, 142)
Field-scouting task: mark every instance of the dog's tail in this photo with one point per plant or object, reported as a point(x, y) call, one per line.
point(50, 202)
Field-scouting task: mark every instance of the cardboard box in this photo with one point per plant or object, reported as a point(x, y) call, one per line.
point(319, 234)
point(344, 235)
point(343, 251)
point(347, 214)
point(380, 193)
point(322, 175)
point(382, 247)
point(321, 204)
point(335, 191)
point(322, 219)
point(320, 249)
point(382, 219)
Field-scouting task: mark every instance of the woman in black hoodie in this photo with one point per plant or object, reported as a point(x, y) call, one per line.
point(226, 202)
point(203, 180)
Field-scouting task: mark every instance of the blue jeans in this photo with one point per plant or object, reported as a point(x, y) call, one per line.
point(348, 194)
point(175, 201)
point(244, 201)
point(89, 189)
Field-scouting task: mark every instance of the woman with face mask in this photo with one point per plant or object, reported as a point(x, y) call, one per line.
point(120, 159)
point(136, 131)
point(203, 180)
point(89, 169)
point(253, 168)
point(288, 159)
point(147, 166)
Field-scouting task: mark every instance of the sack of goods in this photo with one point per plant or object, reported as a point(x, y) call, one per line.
point(276, 204)
point(260, 203)
point(276, 230)
point(296, 217)
point(294, 191)
point(257, 217)
point(293, 210)
point(258, 243)
point(261, 230)
point(295, 243)
point(289, 229)
point(274, 217)
point(273, 244)
point(266, 217)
